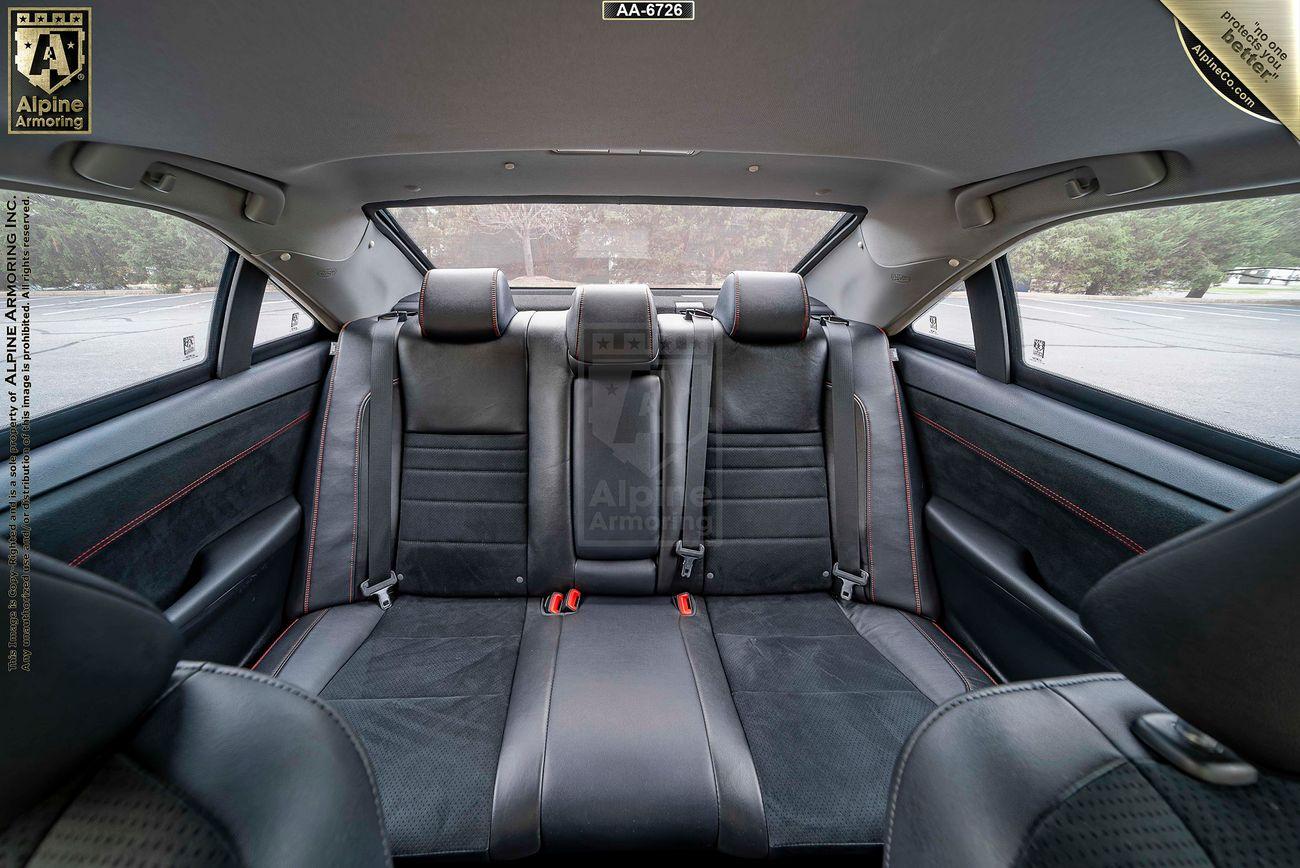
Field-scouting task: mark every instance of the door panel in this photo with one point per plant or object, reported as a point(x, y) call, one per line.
point(1030, 505)
point(201, 517)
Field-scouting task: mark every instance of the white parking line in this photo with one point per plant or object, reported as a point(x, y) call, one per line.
point(1024, 306)
point(1278, 311)
point(1133, 311)
point(1189, 309)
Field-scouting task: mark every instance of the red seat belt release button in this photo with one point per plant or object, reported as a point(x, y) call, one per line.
point(685, 605)
point(554, 604)
point(572, 599)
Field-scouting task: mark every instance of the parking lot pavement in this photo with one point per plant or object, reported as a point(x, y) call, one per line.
point(1232, 364)
point(90, 345)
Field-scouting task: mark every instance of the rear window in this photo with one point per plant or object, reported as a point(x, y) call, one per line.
point(551, 244)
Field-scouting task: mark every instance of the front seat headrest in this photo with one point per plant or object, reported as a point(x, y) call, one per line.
point(100, 655)
point(1205, 623)
point(612, 326)
point(465, 305)
point(763, 307)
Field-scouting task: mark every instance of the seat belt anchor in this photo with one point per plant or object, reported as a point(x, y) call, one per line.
point(383, 589)
point(689, 556)
point(848, 581)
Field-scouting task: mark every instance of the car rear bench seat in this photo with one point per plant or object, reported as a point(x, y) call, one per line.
point(538, 451)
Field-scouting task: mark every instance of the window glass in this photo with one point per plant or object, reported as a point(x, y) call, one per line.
point(1194, 309)
point(948, 319)
point(280, 316)
point(557, 244)
point(119, 295)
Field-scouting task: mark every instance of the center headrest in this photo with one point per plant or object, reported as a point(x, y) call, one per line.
point(1205, 623)
point(763, 307)
point(465, 304)
point(613, 326)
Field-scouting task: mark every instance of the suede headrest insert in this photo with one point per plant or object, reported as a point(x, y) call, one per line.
point(465, 304)
point(763, 307)
point(613, 326)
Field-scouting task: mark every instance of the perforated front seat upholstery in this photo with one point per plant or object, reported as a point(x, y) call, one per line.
point(111, 752)
point(1054, 773)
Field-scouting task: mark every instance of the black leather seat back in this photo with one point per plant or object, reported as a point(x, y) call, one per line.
point(463, 520)
point(90, 660)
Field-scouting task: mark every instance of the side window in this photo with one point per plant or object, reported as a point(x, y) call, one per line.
point(119, 296)
point(948, 319)
point(1193, 309)
point(280, 317)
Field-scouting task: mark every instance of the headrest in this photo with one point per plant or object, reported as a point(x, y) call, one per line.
point(1205, 623)
point(613, 326)
point(465, 304)
point(100, 656)
point(763, 307)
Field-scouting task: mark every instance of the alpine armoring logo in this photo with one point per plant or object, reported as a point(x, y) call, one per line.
point(49, 70)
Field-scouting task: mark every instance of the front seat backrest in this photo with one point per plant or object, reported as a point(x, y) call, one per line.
point(111, 749)
point(1066, 771)
point(1206, 624)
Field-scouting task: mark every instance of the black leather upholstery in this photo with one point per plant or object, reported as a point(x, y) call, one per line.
point(1206, 623)
point(205, 764)
point(1047, 773)
point(612, 326)
point(465, 304)
point(100, 656)
point(764, 307)
point(550, 457)
point(1051, 772)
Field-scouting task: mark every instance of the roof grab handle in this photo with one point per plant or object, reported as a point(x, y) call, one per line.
point(126, 167)
point(1111, 175)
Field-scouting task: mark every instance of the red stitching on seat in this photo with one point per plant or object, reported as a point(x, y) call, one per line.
point(807, 308)
point(423, 286)
point(871, 563)
point(907, 483)
point(356, 510)
point(275, 642)
point(305, 633)
point(935, 645)
point(177, 495)
point(735, 319)
point(1082, 513)
point(496, 330)
point(958, 646)
point(320, 467)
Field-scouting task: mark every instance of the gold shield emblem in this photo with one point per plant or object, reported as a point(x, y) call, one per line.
point(50, 47)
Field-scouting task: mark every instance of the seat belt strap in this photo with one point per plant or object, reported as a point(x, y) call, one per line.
point(690, 548)
point(848, 572)
point(381, 578)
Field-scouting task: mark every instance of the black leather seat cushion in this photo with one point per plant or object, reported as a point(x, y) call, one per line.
point(426, 687)
point(827, 697)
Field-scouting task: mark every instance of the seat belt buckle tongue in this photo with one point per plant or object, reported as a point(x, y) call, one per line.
point(689, 556)
point(383, 589)
point(848, 581)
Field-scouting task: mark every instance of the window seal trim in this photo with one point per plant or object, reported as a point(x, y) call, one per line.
point(1246, 453)
point(68, 420)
